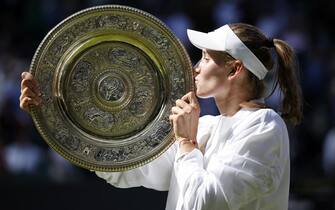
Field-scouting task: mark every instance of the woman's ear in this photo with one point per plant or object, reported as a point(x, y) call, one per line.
point(237, 68)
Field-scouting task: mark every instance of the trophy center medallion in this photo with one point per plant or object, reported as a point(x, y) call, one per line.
point(111, 88)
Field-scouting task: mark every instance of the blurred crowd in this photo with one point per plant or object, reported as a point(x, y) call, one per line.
point(305, 25)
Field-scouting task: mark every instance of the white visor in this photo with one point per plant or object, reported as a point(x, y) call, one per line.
point(224, 39)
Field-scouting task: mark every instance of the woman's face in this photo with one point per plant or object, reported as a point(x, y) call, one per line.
point(210, 76)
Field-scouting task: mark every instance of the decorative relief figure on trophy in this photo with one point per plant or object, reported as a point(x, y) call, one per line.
point(99, 119)
point(82, 72)
point(124, 58)
point(65, 138)
point(111, 89)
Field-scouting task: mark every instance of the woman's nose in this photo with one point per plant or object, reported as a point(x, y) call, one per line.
point(196, 67)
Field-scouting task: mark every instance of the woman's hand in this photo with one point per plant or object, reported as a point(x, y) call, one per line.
point(30, 92)
point(185, 118)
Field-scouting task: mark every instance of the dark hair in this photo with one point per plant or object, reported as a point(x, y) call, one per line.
point(260, 45)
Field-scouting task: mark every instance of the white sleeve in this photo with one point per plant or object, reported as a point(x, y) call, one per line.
point(155, 175)
point(250, 167)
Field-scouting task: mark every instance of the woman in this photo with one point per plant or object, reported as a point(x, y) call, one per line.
point(239, 159)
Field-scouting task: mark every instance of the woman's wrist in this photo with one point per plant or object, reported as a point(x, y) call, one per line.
point(186, 145)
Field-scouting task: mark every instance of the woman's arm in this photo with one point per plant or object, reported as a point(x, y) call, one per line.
point(154, 175)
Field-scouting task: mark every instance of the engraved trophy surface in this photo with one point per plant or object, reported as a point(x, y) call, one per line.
point(109, 76)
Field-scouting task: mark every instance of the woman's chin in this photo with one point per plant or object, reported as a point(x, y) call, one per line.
point(201, 95)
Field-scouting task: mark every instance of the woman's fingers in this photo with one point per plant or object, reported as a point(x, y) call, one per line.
point(32, 100)
point(181, 103)
point(29, 81)
point(171, 118)
point(27, 75)
point(28, 84)
point(176, 110)
point(191, 99)
point(30, 93)
point(27, 91)
point(186, 104)
point(184, 116)
point(26, 101)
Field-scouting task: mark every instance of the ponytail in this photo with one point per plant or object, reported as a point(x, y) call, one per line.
point(260, 45)
point(288, 82)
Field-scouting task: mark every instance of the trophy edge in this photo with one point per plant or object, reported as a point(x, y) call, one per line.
point(189, 86)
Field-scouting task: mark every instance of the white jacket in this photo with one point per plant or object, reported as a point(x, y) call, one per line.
point(245, 166)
